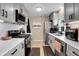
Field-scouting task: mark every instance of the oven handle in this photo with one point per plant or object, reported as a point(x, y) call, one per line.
point(75, 53)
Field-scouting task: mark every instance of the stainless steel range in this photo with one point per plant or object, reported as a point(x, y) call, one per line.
point(27, 44)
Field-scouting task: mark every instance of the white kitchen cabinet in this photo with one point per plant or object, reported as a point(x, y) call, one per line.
point(51, 42)
point(10, 13)
point(16, 51)
point(71, 51)
point(23, 11)
point(7, 12)
point(22, 48)
point(0, 11)
point(13, 52)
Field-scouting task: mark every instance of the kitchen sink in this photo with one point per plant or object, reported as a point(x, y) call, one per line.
point(59, 33)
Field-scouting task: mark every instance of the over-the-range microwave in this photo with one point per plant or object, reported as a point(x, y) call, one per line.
point(19, 17)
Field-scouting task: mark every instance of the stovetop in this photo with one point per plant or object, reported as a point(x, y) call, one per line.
point(21, 36)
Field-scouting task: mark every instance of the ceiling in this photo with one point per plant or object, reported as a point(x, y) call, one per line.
point(47, 8)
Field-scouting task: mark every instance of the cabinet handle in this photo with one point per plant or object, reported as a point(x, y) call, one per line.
point(62, 48)
point(5, 13)
point(14, 52)
point(71, 16)
point(75, 53)
point(22, 45)
point(50, 41)
point(2, 12)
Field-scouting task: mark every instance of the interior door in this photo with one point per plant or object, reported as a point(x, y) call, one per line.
point(36, 24)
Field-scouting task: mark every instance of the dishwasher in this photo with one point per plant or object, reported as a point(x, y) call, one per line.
point(27, 45)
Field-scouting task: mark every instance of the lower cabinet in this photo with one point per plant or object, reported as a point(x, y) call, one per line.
point(71, 51)
point(21, 49)
point(16, 51)
point(57, 46)
point(61, 48)
point(51, 41)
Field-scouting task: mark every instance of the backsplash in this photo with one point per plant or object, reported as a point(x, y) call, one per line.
point(74, 24)
point(4, 27)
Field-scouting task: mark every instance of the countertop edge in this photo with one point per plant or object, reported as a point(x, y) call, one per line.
point(74, 43)
point(12, 46)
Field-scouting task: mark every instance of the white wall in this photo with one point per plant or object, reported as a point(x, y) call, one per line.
point(4, 27)
point(37, 32)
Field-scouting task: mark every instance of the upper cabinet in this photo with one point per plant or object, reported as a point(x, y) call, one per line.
point(71, 11)
point(57, 19)
point(77, 11)
point(23, 11)
point(0, 11)
point(8, 12)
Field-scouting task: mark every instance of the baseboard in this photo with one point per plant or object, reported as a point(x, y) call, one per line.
point(38, 40)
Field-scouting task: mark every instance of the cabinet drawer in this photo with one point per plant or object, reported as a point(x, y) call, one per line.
point(71, 51)
point(13, 52)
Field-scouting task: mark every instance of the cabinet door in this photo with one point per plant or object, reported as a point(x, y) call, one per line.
point(2, 11)
point(22, 49)
point(51, 42)
point(9, 12)
point(69, 11)
point(76, 11)
point(17, 51)
point(71, 51)
point(13, 52)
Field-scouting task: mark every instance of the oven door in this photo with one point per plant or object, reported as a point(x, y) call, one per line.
point(57, 48)
point(60, 48)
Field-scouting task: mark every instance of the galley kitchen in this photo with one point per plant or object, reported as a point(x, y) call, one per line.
point(39, 29)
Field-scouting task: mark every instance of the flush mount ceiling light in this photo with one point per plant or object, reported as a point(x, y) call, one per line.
point(1, 21)
point(38, 9)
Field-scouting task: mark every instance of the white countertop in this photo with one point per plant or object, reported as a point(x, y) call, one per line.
point(69, 42)
point(6, 45)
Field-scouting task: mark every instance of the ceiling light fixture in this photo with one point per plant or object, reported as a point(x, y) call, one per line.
point(1, 21)
point(38, 9)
